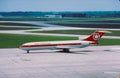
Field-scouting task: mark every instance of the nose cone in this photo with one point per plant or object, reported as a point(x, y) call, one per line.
point(20, 47)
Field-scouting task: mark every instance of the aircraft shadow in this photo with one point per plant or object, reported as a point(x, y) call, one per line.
point(71, 52)
point(81, 52)
point(86, 51)
point(38, 52)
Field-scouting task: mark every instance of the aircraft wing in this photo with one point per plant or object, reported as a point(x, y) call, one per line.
point(65, 47)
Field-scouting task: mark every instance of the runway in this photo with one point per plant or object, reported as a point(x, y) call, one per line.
point(90, 62)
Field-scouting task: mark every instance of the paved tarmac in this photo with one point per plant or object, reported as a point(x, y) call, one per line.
point(90, 62)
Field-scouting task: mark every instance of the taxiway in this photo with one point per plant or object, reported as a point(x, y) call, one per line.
point(90, 62)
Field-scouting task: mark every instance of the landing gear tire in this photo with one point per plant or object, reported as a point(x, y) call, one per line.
point(28, 51)
point(66, 50)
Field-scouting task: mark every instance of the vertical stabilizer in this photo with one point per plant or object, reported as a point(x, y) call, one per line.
point(94, 37)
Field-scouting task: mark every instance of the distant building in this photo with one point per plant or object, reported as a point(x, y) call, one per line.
point(53, 16)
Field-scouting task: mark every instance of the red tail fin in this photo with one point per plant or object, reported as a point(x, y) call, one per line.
point(95, 37)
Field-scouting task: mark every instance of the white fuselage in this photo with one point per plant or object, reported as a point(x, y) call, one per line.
point(55, 45)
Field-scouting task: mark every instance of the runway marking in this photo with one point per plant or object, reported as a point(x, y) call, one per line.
point(112, 72)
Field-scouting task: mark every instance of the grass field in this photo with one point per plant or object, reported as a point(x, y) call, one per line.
point(90, 25)
point(79, 32)
point(15, 40)
point(89, 22)
point(62, 21)
point(16, 24)
point(15, 28)
point(59, 19)
point(107, 41)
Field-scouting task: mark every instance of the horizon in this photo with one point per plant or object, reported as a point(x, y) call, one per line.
point(59, 11)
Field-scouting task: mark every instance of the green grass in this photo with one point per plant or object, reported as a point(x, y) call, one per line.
point(79, 32)
point(62, 21)
point(16, 24)
point(57, 19)
point(107, 41)
point(15, 40)
point(15, 28)
point(95, 22)
point(89, 25)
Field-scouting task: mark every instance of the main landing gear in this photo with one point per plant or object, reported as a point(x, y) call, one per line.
point(65, 50)
point(28, 51)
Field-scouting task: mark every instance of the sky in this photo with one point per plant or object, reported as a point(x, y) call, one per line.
point(59, 5)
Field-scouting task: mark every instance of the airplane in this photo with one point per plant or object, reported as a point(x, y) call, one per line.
point(64, 45)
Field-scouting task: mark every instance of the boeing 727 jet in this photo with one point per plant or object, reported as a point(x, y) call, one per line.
point(64, 45)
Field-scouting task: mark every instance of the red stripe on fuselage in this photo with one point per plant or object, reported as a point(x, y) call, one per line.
point(44, 45)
